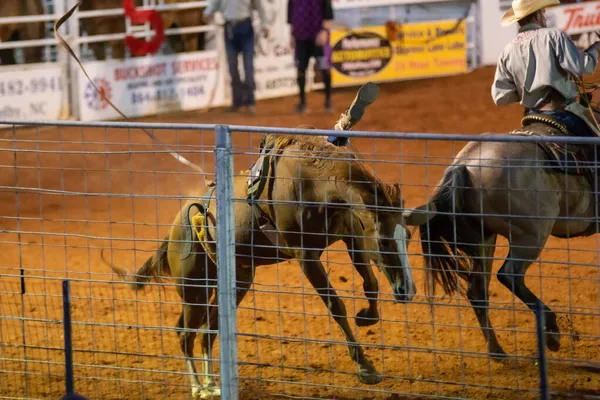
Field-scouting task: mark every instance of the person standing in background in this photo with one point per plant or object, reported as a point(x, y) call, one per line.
point(310, 22)
point(239, 38)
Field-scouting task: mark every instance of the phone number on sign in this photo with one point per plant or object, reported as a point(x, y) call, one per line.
point(19, 87)
point(166, 95)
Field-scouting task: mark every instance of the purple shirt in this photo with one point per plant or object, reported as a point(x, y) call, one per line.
point(307, 16)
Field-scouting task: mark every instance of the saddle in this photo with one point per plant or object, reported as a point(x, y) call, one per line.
point(572, 159)
point(258, 176)
point(260, 173)
point(569, 158)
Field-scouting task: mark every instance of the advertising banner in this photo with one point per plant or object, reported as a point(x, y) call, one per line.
point(150, 85)
point(341, 4)
point(274, 68)
point(579, 20)
point(415, 51)
point(32, 92)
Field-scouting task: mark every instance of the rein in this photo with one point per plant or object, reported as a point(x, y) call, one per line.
point(62, 41)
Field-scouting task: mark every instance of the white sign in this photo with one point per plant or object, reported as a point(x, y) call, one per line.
point(31, 92)
point(150, 85)
point(341, 4)
point(275, 71)
point(494, 37)
point(575, 18)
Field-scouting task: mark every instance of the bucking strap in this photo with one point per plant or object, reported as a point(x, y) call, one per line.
point(190, 225)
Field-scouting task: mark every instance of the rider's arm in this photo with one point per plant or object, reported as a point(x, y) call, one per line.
point(573, 60)
point(504, 90)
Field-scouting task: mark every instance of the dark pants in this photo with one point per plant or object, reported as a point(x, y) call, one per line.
point(305, 49)
point(239, 38)
point(574, 124)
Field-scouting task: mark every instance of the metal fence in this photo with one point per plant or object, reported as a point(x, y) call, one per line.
point(74, 193)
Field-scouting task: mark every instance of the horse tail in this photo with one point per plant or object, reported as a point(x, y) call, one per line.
point(154, 267)
point(450, 239)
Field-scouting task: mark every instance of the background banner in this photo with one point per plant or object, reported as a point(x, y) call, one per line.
point(416, 50)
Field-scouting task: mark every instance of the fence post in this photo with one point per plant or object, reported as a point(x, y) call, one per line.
point(541, 341)
point(226, 282)
point(69, 384)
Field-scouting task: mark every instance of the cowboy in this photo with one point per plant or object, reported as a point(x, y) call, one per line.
point(239, 38)
point(365, 96)
point(535, 67)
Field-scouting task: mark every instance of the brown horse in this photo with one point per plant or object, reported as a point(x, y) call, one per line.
point(23, 31)
point(519, 190)
point(318, 193)
point(116, 24)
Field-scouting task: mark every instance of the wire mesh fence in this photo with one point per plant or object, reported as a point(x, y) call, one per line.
point(327, 229)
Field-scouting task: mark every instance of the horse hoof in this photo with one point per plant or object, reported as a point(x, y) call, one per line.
point(498, 355)
point(496, 352)
point(369, 377)
point(553, 341)
point(364, 318)
point(207, 392)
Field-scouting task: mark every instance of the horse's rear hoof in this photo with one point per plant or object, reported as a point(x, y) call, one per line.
point(207, 392)
point(364, 318)
point(496, 352)
point(499, 355)
point(369, 376)
point(553, 341)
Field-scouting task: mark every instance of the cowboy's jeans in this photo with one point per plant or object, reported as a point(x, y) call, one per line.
point(239, 38)
point(574, 123)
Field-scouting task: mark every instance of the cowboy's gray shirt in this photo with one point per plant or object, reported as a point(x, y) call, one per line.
point(536, 62)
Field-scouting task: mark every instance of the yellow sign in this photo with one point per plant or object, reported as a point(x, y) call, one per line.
point(414, 51)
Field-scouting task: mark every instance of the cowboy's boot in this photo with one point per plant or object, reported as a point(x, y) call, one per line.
point(366, 95)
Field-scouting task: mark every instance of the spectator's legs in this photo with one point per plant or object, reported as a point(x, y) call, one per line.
point(327, 82)
point(231, 49)
point(303, 52)
point(247, 36)
point(323, 57)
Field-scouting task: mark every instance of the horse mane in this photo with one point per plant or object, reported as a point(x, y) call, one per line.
point(338, 162)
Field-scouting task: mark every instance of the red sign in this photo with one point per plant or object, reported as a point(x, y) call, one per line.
point(141, 47)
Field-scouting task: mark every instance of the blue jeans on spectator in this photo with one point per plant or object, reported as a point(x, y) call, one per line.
point(239, 38)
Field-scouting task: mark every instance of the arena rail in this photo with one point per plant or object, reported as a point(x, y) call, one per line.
point(73, 190)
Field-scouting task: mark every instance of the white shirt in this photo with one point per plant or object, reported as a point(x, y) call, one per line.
point(233, 10)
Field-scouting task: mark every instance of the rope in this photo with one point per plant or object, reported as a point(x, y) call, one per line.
point(581, 88)
point(62, 41)
point(202, 233)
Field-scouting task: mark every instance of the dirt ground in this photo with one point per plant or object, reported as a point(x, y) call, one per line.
point(125, 345)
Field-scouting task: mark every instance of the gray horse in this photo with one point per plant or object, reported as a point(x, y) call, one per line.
point(522, 191)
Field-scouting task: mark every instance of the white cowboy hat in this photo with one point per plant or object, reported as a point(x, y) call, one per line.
point(522, 8)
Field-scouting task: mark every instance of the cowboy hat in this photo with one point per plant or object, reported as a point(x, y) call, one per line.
point(522, 8)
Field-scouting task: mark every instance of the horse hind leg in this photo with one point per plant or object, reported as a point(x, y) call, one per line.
point(478, 295)
point(244, 277)
point(315, 272)
point(522, 253)
point(193, 314)
point(195, 290)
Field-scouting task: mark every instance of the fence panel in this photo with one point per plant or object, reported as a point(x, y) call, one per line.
point(432, 347)
point(72, 189)
point(71, 195)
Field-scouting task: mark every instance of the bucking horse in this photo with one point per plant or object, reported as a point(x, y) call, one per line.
point(303, 194)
